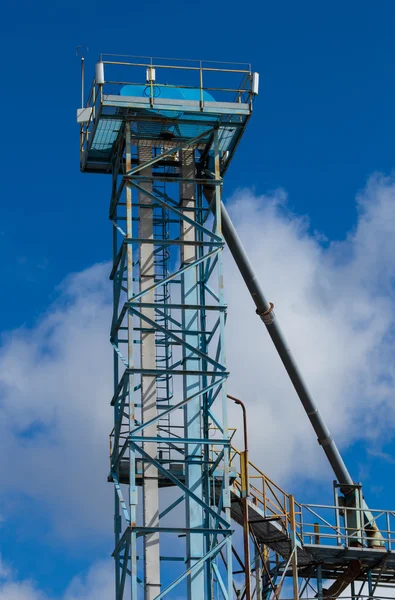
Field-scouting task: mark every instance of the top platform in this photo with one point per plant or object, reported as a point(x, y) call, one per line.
point(167, 102)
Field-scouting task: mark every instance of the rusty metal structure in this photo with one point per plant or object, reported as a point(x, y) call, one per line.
point(194, 517)
point(317, 548)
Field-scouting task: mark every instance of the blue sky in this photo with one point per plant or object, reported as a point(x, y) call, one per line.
point(323, 124)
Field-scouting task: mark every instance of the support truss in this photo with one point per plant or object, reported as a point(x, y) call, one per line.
point(172, 499)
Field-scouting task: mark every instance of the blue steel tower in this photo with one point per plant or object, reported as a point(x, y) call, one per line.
point(165, 132)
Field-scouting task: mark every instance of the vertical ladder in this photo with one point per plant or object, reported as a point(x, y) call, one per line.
point(164, 386)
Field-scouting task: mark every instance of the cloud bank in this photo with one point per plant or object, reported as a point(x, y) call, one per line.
point(55, 418)
point(334, 300)
point(96, 584)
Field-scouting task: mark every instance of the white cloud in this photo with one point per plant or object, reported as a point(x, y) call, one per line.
point(335, 304)
point(24, 590)
point(5, 570)
point(96, 584)
point(55, 418)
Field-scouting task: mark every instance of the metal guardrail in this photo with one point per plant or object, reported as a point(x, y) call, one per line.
point(318, 524)
point(335, 526)
point(197, 74)
point(263, 491)
point(203, 76)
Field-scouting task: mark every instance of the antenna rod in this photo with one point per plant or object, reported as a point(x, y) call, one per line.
point(82, 80)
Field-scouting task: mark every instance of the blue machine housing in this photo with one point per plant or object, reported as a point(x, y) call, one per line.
point(168, 92)
point(164, 113)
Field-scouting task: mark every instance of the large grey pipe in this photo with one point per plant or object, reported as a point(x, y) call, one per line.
point(265, 310)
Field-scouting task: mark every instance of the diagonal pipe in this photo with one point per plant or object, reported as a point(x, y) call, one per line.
point(264, 309)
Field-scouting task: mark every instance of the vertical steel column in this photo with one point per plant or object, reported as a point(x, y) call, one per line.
point(353, 595)
point(265, 564)
point(222, 355)
point(191, 383)
point(148, 384)
point(245, 492)
point(258, 575)
point(116, 283)
point(370, 585)
point(294, 547)
point(319, 583)
point(130, 363)
point(207, 451)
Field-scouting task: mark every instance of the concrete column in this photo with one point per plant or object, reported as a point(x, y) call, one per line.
point(148, 389)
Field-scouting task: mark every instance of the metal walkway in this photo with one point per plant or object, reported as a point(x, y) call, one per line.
point(319, 541)
point(320, 533)
point(268, 530)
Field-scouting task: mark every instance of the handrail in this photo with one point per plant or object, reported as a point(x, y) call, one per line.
point(325, 529)
point(199, 79)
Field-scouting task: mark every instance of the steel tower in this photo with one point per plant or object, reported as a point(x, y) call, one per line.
point(166, 131)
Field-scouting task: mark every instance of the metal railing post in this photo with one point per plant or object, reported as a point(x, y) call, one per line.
point(244, 501)
point(316, 533)
point(337, 516)
point(294, 547)
point(201, 85)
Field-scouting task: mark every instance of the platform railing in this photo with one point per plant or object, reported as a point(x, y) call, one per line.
point(317, 524)
point(197, 74)
point(93, 103)
point(314, 524)
point(123, 70)
point(338, 526)
point(266, 495)
point(263, 492)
